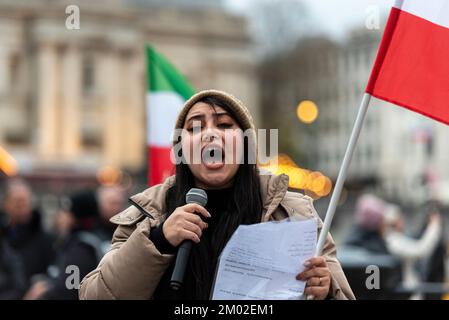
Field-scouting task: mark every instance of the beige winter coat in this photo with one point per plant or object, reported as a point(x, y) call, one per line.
point(133, 267)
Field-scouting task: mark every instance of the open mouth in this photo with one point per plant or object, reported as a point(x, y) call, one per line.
point(213, 156)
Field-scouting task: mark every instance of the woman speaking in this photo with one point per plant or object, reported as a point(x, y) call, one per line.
point(142, 258)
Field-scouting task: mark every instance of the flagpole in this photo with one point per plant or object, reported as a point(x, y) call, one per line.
point(343, 172)
point(341, 178)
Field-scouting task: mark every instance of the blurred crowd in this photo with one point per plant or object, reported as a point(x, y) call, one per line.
point(413, 265)
point(36, 263)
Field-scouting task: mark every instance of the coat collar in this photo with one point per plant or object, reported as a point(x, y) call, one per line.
point(273, 188)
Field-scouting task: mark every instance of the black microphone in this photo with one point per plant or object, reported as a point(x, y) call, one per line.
point(193, 196)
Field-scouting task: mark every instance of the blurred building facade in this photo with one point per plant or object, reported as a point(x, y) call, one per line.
point(74, 100)
point(400, 153)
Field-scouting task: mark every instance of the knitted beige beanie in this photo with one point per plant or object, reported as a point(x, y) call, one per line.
point(239, 110)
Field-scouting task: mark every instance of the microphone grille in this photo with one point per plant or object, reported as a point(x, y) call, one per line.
point(196, 195)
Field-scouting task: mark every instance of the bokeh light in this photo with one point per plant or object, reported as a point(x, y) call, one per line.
point(326, 189)
point(318, 183)
point(109, 175)
point(314, 183)
point(307, 111)
point(8, 165)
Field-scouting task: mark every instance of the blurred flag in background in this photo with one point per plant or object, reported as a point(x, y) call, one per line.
point(167, 92)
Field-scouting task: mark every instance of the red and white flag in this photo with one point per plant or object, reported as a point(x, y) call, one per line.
point(412, 65)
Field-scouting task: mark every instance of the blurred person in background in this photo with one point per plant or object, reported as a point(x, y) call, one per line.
point(369, 225)
point(81, 248)
point(111, 201)
point(23, 230)
point(407, 248)
point(366, 246)
point(62, 224)
point(433, 268)
point(12, 275)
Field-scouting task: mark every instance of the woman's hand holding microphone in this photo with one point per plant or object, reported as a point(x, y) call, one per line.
point(185, 224)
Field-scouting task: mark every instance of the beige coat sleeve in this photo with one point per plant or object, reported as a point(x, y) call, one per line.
point(340, 288)
point(130, 270)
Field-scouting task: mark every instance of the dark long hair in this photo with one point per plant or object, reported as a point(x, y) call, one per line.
point(244, 207)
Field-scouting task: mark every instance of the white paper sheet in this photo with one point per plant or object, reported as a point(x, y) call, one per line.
point(261, 261)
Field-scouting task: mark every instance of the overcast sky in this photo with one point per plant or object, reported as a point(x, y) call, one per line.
point(334, 17)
